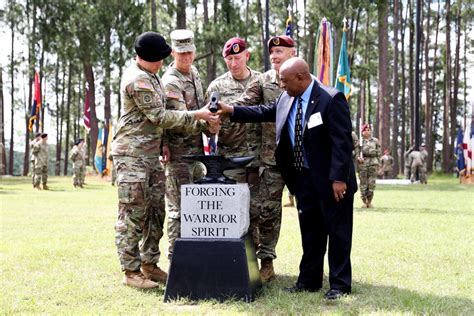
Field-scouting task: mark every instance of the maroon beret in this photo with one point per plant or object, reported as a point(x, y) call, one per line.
point(281, 40)
point(234, 46)
point(364, 127)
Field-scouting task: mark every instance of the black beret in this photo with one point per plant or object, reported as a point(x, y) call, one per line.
point(78, 141)
point(44, 135)
point(37, 135)
point(151, 46)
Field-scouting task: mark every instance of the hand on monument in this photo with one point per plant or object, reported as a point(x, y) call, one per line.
point(339, 189)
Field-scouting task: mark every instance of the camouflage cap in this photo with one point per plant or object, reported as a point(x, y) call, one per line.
point(182, 41)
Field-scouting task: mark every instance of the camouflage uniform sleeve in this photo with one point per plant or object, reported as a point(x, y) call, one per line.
point(377, 149)
point(151, 104)
point(252, 95)
point(73, 155)
point(36, 148)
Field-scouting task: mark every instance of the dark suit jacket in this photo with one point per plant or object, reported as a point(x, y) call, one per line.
point(328, 146)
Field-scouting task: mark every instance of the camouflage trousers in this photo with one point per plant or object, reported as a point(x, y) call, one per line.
point(250, 176)
point(407, 172)
point(177, 174)
point(269, 199)
point(420, 168)
point(40, 175)
point(78, 175)
point(139, 228)
point(367, 177)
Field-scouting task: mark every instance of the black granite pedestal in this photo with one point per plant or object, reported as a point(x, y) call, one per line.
point(213, 269)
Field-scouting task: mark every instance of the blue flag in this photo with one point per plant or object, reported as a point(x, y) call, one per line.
point(289, 31)
point(343, 77)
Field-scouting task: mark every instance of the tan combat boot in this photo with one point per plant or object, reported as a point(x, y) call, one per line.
point(138, 280)
point(291, 202)
point(154, 273)
point(364, 201)
point(266, 270)
point(369, 202)
point(45, 187)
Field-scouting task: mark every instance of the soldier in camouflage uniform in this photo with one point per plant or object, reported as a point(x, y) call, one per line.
point(184, 92)
point(368, 165)
point(40, 152)
point(263, 90)
point(239, 139)
point(386, 165)
point(136, 151)
point(78, 159)
point(32, 157)
point(417, 162)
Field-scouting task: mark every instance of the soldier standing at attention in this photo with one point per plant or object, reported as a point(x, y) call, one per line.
point(136, 151)
point(40, 152)
point(239, 139)
point(32, 157)
point(368, 165)
point(263, 90)
point(184, 92)
point(386, 164)
point(78, 163)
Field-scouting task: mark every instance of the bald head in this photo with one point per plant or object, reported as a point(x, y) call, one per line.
point(295, 76)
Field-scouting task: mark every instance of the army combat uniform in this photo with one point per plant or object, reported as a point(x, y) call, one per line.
point(386, 166)
point(40, 153)
point(368, 168)
point(78, 159)
point(263, 90)
point(240, 139)
point(417, 160)
point(140, 176)
point(183, 92)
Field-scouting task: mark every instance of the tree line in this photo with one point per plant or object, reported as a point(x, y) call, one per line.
point(87, 43)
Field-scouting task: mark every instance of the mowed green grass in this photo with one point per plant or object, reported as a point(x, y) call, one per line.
point(412, 254)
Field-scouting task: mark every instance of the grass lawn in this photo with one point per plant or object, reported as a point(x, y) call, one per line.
point(412, 254)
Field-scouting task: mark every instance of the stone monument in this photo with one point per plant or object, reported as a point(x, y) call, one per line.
point(214, 258)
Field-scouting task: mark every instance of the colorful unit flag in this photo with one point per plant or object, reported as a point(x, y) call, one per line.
point(209, 144)
point(87, 111)
point(289, 31)
point(468, 144)
point(36, 107)
point(324, 54)
point(460, 151)
point(343, 74)
point(102, 150)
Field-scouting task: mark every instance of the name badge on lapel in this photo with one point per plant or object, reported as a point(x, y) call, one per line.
point(315, 120)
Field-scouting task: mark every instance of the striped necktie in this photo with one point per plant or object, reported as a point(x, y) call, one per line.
point(298, 149)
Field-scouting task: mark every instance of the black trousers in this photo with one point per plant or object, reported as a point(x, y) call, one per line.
point(324, 223)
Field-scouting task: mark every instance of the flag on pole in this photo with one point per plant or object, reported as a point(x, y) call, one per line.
point(343, 74)
point(35, 108)
point(107, 148)
point(468, 144)
point(209, 144)
point(289, 20)
point(102, 150)
point(324, 54)
point(87, 110)
point(460, 151)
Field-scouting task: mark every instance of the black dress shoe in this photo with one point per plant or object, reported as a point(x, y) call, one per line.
point(298, 287)
point(334, 294)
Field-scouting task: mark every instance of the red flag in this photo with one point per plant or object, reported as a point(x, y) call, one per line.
point(35, 108)
point(87, 111)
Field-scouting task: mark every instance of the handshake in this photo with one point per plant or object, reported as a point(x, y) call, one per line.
point(213, 111)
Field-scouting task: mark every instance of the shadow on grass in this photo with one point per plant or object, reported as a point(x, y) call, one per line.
point(421, 188)
point(404, 210)
point(365, 298)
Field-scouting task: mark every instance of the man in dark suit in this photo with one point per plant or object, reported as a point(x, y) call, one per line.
point(314, 154)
